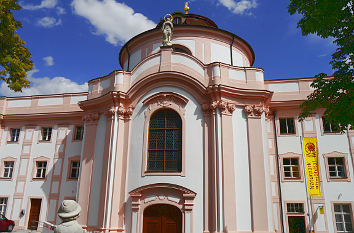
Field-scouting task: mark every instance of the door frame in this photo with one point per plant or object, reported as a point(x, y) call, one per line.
point(168, 194)
point(28, 210)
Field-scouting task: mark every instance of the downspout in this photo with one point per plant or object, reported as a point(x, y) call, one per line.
point(278, 171)
point(111, 169)
point(128, 68)
point(231, 58)
point(350, 149)
point(308, 198)
point(219, 172)
point(81, 159)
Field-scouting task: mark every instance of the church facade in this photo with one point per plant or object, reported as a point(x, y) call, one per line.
point(188, 137)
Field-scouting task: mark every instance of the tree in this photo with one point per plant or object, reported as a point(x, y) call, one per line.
point(14, 56)
point(330, 19)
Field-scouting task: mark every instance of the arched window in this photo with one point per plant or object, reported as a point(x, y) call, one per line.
point(165, 142)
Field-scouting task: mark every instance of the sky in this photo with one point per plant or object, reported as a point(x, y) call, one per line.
point(74, 41)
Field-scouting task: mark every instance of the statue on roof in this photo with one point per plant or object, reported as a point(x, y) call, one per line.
point(167, 30)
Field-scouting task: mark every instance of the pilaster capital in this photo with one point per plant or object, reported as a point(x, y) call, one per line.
point(110, 112)
point(256, 111)
point(91, 117)
point(225, 107)
point(125, 111)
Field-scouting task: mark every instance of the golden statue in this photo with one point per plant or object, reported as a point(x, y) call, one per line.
point(186, 8)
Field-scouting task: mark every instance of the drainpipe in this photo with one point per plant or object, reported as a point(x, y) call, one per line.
point(278, 171)
point(219, 171)
point(350, 149)
point(231, 58)
point(111, 170)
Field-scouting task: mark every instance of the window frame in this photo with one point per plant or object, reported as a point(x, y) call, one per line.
point(322, 125)
point(287, 128)
point(10, 138)
point(294, 214)
point(34, 168)
point(71, 160)
point(6, 204)
point(41, 134)
point(75, 133)
point(288, 113)
point(2, 168)
point(291, 155)
point(334, 216)
point(159, 101)
point(165, 150)
point(336, 154)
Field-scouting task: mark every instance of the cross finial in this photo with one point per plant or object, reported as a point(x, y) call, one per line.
point(186, 8)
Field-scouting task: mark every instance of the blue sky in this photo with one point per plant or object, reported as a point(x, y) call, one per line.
point(74, 41)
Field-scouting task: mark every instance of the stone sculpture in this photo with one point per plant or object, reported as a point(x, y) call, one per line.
point(68, 212)
point(167, 30)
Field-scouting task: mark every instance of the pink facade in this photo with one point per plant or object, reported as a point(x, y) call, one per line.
point(239, 164)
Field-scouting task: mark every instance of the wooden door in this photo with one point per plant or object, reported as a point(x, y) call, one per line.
point(162, 219)
point(297, 224)
point(34, 214)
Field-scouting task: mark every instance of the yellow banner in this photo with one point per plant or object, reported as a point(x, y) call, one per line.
point(311, 163)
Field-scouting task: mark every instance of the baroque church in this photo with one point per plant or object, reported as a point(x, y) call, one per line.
point(187, 137)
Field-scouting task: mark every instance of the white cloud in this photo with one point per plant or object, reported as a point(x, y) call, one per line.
point(60, 10)
point(49, 61)
point(48, 22)
point(117, 21)
point(45, 85)
point(44, 4)
point(239, 7)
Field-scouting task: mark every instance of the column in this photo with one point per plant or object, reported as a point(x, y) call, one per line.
point(88, 153)
point(257, 170)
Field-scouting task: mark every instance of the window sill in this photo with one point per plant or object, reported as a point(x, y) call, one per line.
point(45, 141)
point(72, 179)
point(293, 179)
point(13, 142)
point(287, 134)
point(148, 173)
point(38, 178)
point(6, 178)
point(338, 179)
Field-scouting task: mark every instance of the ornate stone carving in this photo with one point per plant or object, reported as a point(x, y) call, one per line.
point(125, 112)
point(225, 107)
point(166, 100)
point(255, 111)
point(110, 112)
point(91, 118)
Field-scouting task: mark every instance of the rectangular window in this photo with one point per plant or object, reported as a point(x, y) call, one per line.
point(75, 168)
point(14, 135)
point(3, 205)
point(46, 134)
point(79, 132)
point(41, 169)
point(287, 125)
point(329, 127)
point(291, 168)
point(295, 207)
point(343, 218)
point(8, 169)
point(336, 167)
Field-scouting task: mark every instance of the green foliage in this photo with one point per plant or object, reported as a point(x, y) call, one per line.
point(330, 19)
point(14, 57)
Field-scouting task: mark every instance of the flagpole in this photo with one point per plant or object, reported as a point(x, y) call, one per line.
point(308, 199)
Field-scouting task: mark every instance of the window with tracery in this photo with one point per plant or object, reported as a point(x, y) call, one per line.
point(165, 142)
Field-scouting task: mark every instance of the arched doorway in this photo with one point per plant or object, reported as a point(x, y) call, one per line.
point(162, 218)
